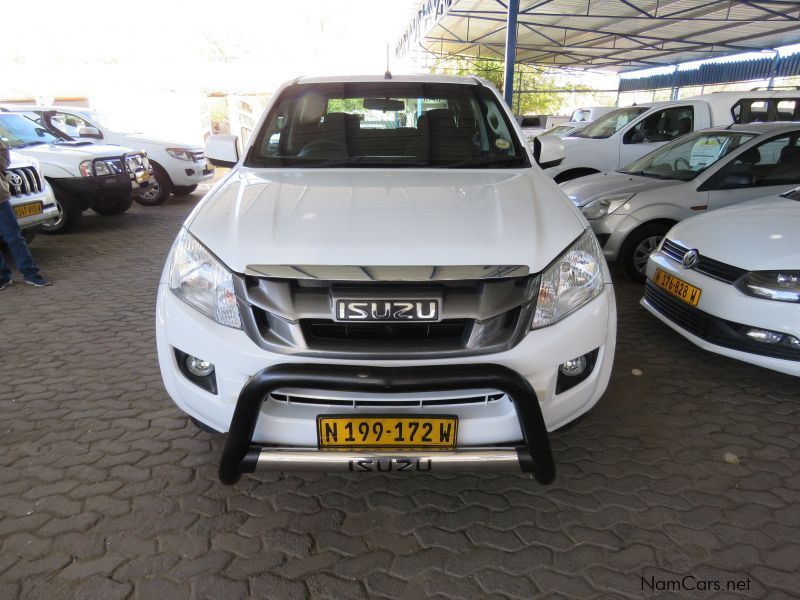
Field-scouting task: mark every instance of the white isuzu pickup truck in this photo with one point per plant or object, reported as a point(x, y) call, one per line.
point(385, 281)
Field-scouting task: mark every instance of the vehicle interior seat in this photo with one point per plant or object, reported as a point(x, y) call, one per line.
point(788, 167)
point(446, 140)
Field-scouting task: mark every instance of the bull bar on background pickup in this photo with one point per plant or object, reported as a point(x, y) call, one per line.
point(241, 455)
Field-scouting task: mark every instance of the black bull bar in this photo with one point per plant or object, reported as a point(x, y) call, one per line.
point(241, 455)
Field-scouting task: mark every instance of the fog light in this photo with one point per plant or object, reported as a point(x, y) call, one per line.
point(574, 367)
point(764, 336)
point(199, 367)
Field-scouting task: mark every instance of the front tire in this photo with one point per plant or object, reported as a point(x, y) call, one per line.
point(113, 207)
point(160, 190)
point(183, 190)
point(637, 248)
point(70, 216)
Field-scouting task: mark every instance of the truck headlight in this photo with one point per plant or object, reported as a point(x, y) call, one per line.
point(180, 153)
point(603, 207)
point(571, 281)
point(199, 279)
point(783, 286)
point(86, 169)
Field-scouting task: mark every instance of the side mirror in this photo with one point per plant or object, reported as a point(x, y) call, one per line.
point(90, 132)
point(222, 150)
point(548, 151)
point(736, 180)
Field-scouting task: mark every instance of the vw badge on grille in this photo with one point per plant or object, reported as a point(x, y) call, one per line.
point(689, 260)
point(14, 180)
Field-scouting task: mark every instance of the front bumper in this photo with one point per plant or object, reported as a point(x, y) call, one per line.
point(185, 173)
point(241, 455)
point(721, 316)
point(49, 208)
point(237, 360)
point(108, 187)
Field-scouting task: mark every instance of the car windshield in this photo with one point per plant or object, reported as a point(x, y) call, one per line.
point(387, 124)
point(687, 157)
point(20, 132)
point(611, 123)
point(558, 130)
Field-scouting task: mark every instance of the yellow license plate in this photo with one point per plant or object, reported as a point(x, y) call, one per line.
point(386, 432)
point(678, 287)
point(29, 210)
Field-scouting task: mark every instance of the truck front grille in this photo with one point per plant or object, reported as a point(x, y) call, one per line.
point(295, 316)
point(319, 329)
point(24, 181)
point(375, 402)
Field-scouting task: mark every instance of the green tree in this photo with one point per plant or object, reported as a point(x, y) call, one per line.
point(526, 77)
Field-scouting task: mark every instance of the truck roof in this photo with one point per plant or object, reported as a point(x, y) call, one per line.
point(412, 78)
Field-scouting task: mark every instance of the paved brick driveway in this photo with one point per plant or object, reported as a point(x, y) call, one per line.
point(689, 466)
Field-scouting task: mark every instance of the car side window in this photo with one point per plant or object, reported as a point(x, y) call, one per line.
point(69, 124)
point(662, 126)
point(773, 162)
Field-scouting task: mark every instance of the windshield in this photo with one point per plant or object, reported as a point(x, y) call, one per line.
point(687, 157)
point(611, 123)
point(387, 124)
point(558, 130)
point(20, 132)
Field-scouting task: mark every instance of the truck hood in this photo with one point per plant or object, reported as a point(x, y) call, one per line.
point(76, 150)
point(584, 190)
point(369, 217)
point(140, 138)
point(769, 226)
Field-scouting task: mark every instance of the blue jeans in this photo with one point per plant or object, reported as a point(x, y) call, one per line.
point(12, 236)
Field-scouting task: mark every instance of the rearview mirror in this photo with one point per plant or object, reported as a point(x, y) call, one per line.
point(384, 104)
point(90, 132)
point(222, 150)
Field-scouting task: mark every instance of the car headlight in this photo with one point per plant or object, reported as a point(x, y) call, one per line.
point(570, 282)
point(198, 278)
point(86, 169)
point(180, 153)
point(603, 207)
point(783, 286)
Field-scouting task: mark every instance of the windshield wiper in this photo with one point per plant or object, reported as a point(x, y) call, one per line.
point(27, 144)
point(646, 174)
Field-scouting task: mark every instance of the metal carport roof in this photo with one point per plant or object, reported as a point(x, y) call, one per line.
point(611, 35)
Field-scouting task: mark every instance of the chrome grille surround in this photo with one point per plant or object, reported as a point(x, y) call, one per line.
point(29, 181)
point(707, 266)
point(278, 313)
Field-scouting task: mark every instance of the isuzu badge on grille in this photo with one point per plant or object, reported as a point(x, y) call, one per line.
point(387, 310)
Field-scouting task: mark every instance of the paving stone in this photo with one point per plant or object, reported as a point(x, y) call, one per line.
point(108, 491)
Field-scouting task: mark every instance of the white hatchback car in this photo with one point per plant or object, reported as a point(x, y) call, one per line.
point(385, 281)
point(729, 281)
point(630, 210)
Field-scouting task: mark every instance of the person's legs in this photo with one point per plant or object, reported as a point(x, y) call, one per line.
point(12, 236)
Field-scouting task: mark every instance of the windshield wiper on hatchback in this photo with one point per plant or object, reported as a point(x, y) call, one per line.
point(646, 174)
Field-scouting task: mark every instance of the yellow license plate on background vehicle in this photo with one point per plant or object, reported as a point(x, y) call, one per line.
point(29, 210)
point(336, 431)
point(678, 287)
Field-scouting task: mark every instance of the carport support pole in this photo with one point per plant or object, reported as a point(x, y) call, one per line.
point(511, 52)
